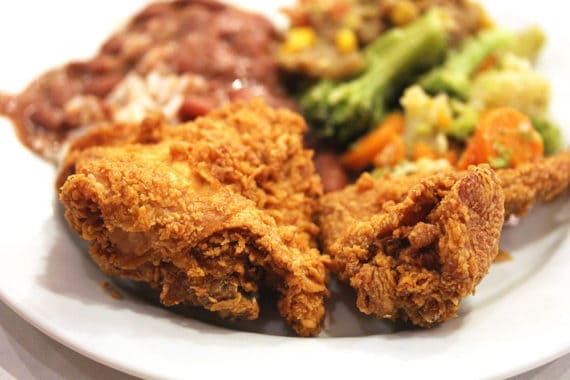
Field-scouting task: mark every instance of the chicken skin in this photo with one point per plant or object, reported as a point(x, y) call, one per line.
point(523, 187)
point(416, 258)
point(206, 211)
point(530, 183)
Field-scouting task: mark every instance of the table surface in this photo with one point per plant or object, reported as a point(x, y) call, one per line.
point(26, 353)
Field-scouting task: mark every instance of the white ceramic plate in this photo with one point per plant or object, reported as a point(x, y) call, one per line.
point(519, 319)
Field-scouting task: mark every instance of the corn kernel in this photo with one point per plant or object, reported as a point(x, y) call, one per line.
point(346, 41)
point(299, 38)
point(403, 12)
point(444, 118)
point(486, 20)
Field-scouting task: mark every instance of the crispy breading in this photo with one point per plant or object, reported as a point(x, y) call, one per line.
point(530, 183)
point(204, 211)
point(524, 186)
point(416, 258)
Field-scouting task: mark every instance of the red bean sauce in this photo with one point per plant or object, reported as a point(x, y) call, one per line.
point(228, 51)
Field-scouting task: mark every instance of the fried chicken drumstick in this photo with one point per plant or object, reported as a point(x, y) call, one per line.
point(205, 211)
point(415, 259)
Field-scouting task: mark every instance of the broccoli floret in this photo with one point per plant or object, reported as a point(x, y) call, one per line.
point(514, 84)
point(550, 133)
point(346, 109)
point(454, 76)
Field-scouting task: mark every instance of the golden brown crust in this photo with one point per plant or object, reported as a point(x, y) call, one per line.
point(415, 259)
point(524, 186)
point(204, 211)
point(530, 183)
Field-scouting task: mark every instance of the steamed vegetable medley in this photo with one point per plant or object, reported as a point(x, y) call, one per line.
point(403, 86)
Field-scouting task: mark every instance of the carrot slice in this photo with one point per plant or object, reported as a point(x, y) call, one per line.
point(392, 154)
point(364, 150)
point(422, 150)
point(489, 63)
point(504, 138)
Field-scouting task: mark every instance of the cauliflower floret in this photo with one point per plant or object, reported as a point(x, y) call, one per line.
point(515, 84)
point(421, 166)
point(426, 119)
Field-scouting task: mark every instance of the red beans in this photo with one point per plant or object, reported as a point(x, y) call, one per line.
point(103, 84)
point(214, 42)
point(331, 171)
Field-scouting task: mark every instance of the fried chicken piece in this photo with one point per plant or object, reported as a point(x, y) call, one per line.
point(524, 186)
point(530, 183)
point(415, 259)
point(204, 211)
